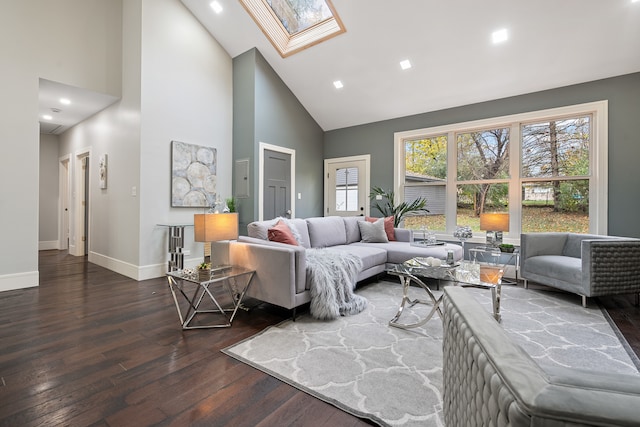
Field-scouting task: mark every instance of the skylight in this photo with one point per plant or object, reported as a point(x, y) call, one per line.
point(293, 25)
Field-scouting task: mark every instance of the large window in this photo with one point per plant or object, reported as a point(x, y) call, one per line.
point(547, 169)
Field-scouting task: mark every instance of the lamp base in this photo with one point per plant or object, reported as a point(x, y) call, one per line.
point(494, 238)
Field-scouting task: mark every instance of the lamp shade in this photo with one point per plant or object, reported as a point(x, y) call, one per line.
point(494, 222)
point(215, 227)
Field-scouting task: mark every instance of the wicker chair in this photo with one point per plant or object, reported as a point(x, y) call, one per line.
point(585, 264)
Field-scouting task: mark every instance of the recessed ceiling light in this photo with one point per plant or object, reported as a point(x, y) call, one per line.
point(635, 1)
point(338, 84)
point(65, 101)
point(217, 7)
point(47, 117)
point(405, 65)
point(500, 35)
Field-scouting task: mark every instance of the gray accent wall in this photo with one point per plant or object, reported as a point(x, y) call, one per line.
point(265, 110)
point(622, 92)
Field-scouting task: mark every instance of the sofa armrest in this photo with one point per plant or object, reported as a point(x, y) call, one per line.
point(611, 266)
point(280, 270)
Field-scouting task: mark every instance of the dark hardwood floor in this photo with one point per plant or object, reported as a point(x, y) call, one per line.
point(92, 347)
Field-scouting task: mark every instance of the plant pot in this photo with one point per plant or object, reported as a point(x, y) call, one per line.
point(204, 275)
point(507, 250)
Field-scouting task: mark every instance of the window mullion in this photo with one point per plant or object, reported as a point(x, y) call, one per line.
point(515, 183)
point(452, 178)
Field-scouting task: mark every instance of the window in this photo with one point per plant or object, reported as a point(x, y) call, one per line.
point(293, 25)
point(347, 189)
point(547, 169)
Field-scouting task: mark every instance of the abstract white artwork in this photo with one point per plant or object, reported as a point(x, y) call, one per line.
point(193, 175)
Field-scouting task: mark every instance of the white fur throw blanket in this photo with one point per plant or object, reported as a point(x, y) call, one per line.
point(332, 277)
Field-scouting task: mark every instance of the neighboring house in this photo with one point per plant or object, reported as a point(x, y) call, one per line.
point(435, 193)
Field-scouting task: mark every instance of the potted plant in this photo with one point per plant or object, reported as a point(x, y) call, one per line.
point(389, 208)
point(506, 247)
point(204, 271)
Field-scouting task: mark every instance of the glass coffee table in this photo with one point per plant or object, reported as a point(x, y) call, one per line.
point(465, 274)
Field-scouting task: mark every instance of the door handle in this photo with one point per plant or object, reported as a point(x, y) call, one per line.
point(288, 213)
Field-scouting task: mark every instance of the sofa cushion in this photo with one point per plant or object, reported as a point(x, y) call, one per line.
point(573, 245)
point(282, 233)
point(371, 256)
point(373, 232)
point(562, 268)
point(326, 231)
point(352, 229)
point(399, 252)
point(388, 226)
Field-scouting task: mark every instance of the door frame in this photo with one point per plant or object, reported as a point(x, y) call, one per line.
point(261, 149)
point(77, 221)
point(64, 197)
point(367, 177)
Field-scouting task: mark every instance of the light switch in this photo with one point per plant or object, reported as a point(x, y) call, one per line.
point(299, 196)
point(134, 191)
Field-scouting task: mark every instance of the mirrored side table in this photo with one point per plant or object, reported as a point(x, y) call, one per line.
point(212, 303)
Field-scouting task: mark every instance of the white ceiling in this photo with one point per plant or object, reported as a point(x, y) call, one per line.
point(552, 44)
point(84, 104)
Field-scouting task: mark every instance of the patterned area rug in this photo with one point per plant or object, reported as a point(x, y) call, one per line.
point(394, 377)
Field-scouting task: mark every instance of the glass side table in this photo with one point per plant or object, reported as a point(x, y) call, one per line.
point(494, 256)
point(202, 297)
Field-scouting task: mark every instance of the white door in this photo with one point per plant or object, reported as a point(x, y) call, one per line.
point(347, 186)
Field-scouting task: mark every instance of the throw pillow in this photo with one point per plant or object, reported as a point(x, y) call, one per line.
point(373, 232)
point(294, 231)
point(388, 226)
point(282, 233)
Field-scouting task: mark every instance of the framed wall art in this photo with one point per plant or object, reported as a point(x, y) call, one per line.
point(102, 171)
point(193, 175)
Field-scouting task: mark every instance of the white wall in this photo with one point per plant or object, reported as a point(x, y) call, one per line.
point(176, 86)
point(48, 202)
point(186, 96)
point(75, 42)
point(174, 81)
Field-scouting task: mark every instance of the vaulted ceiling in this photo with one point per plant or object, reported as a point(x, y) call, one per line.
point(449, 43)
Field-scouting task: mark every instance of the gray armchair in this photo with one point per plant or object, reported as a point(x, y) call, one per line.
point(585, 264)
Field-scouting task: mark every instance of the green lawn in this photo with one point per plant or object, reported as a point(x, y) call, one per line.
point(534, 219)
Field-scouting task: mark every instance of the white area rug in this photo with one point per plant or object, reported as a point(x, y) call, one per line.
point(394, 377)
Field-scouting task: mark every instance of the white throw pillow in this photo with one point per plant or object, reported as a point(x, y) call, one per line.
point(373, 232)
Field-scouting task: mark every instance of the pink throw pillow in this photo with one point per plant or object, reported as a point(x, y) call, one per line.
point(281, 233)
point(388, 226)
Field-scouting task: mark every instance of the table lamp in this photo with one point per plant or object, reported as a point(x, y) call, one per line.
point(494, 224)
point(214, 227)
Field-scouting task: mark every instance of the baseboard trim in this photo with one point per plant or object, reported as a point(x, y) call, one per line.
point(127, 269)
point(29, 279)
point(48, 245)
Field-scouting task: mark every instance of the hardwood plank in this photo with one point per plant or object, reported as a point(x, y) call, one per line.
point(90, 347)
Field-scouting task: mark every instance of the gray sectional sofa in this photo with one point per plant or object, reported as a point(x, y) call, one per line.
point(281, 276)
point(586, 264)
point(488, 380)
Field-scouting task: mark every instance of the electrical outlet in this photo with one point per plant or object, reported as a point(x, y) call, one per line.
point(378, 197)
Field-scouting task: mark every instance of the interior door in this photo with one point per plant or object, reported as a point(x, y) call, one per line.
point(277, 185)
point(347, 186)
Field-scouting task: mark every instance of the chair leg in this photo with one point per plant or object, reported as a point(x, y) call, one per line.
point(584, 301)
point(294, 313)
point(526, 283)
